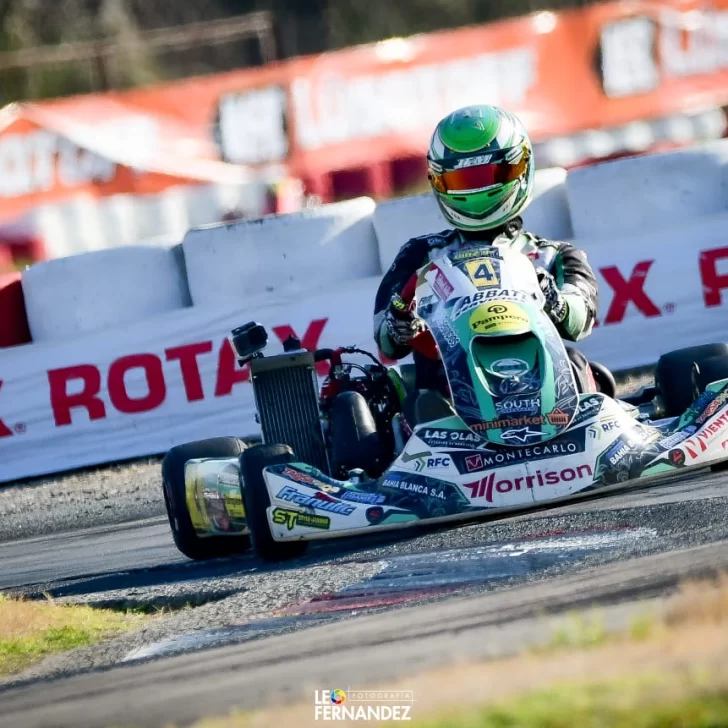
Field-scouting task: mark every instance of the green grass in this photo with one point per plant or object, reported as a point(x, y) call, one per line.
point(635, 704)
point(33, 630)
point(580, 631)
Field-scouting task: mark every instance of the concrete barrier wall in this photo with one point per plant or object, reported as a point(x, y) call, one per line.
point(68, 297)
point(641, 193)
point(305, 252)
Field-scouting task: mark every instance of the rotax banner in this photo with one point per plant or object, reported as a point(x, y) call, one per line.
point(139, 389)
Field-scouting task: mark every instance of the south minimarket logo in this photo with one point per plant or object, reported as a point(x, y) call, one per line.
point(379, 705)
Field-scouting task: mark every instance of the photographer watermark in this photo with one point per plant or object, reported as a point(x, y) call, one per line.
point(352, 704)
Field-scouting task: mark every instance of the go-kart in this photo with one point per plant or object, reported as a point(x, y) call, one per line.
point(368, 451)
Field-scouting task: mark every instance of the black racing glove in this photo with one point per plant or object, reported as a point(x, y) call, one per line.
point(555, 304)
point(401, 323)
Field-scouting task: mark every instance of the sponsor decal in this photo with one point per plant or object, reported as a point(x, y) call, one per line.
point(284, 517)
point(479, 252)
point(518, 404)
point(523, 435)
point(713, 407)
point(442, 286)
point(588, 407)
point(676, 457)
point(617, 452)
point(440, 462)
point(318, 501)
point(496, 318)
point(234, 505)
point(485, 487)
point(356, 496)
point(483, 272)
point(300, 477)
point(699, 444)
point(472, 161)
point(597, 430)
point(411, 486)
point(449, 438)
point(421, 464)
point(556, 417)
point(468, 303)
point(473, 462)
point(528, 383)
point(512, 456)
point(442, 327)
point(677, 437)
point(509, 367)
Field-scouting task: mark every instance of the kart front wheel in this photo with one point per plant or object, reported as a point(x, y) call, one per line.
point(674, 374)
point(257, 501)
point(175, 499)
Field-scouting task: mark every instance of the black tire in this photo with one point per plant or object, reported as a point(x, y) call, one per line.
point(709, 370)
point(257, 501)
point(173, 485)
point(355, 440)
point(674, 375)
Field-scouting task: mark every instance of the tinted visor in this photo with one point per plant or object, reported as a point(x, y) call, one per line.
point(478, 177)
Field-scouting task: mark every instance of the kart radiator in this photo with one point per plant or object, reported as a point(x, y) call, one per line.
point(286, 396)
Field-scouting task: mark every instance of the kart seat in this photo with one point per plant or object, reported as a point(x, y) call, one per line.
point(426, 405)
point(604, 379)
point(409, 377)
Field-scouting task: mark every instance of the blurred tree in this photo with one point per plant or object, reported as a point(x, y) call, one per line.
point(301, 26)
point(313, 26)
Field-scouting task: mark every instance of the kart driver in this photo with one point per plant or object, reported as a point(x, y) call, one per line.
point(481, 169)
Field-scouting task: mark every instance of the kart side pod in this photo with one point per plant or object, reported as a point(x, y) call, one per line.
point(285, 388)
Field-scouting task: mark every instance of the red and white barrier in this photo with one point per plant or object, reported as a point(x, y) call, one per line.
point(136, 390)
point(122, 365)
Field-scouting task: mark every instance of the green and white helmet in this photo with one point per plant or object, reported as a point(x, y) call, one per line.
point(480, 166)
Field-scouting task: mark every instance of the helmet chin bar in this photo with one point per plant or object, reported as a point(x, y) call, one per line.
point(502, 215)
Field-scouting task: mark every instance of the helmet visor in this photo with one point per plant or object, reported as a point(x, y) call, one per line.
point(478, 177)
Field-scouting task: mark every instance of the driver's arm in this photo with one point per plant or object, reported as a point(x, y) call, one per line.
point(578, 285)
point(411, 257)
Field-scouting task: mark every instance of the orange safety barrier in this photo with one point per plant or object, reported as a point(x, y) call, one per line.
point(602, 66)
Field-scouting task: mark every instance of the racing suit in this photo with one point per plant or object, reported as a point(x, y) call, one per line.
point(563, 264)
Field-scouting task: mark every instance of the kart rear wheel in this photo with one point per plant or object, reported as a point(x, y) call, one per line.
point(674, 375)
point(707, 371)
point(175, 499)
point(257, 501)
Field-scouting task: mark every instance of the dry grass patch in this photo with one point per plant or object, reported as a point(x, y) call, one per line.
point(668, 669)
point(32, 630)
point(699, 602)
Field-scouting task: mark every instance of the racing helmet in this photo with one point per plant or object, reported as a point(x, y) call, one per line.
point(480, 167)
